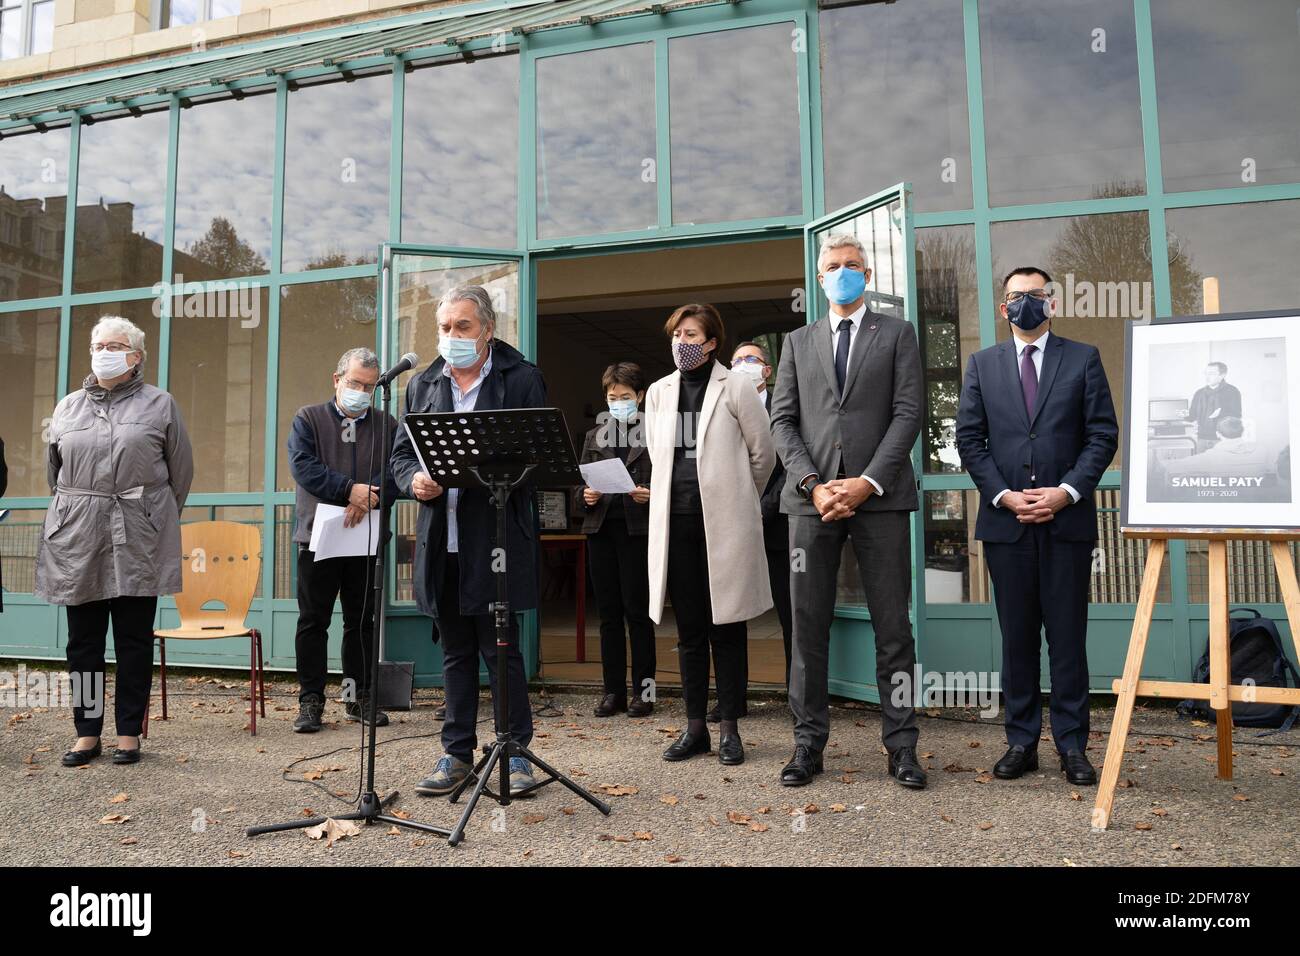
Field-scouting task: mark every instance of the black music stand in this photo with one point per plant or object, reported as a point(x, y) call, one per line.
point(370, 808)
point(498, 449)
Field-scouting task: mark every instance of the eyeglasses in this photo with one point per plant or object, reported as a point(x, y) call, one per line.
point(110, 347)
point(1039, 294)
point(358, 386)
point(747, 360)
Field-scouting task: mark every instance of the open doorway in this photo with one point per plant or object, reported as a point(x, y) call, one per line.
point(595, 310)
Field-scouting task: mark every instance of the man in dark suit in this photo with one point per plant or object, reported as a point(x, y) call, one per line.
point(456, 533)
point(846, 413)
point(1212, 403)
point(1036, 429)
point(751, 359)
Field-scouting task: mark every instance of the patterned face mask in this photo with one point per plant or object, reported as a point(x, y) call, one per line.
point(688, 355)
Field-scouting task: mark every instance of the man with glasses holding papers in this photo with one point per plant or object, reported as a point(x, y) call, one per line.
point(334, 456)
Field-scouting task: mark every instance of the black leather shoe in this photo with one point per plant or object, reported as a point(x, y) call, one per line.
point(610, 705)
point(358, 710)
point(1016, 762)
point(803, 766)
point(79, 758)
point(640, 708)
point(730, 750)
point(310, 709)
point(440, 713)
point(126, 756)
point(688, 746)
point(1078, 770)
point(904, 768)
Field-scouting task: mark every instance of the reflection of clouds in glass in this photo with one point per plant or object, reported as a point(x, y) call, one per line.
point(1059, 119)
point(125, 160)
point(1226, 85)
point(595, 130)
point(332, 213)
point(461, 146)
point(225, 169)
point(894, 102)
point(734, 103)
point(1251, 249)
point(25, 160)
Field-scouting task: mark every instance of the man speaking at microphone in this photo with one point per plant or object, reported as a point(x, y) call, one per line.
point(454, 581)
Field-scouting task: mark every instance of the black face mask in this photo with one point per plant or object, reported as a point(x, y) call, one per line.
point(1028, 314)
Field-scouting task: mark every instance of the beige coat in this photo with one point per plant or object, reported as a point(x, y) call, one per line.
point(735, 458)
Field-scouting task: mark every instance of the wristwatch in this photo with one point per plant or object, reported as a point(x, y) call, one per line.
point(805, 487)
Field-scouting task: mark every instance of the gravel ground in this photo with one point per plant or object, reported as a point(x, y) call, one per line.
point(203, 779)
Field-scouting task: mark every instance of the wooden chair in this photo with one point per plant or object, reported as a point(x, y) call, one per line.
point(220, 563)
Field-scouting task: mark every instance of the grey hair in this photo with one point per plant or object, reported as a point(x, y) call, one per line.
point(116, 324)
point(472, 293)
point(838, 240)
point(367, 358)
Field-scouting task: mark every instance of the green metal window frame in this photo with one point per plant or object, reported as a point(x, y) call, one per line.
point(530, 47)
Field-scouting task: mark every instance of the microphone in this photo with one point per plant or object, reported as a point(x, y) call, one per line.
point(405, 364)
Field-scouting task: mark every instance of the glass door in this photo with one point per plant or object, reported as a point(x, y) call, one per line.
point(883, 224)
point(413, 278)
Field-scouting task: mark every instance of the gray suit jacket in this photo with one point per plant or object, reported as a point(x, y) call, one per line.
point(870, 430)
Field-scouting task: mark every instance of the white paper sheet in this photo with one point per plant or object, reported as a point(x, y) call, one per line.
point(329, 539)
point(608, 476)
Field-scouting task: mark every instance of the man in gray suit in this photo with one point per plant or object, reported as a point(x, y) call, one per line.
point(847, 410)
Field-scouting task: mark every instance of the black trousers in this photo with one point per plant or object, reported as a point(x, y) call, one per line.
point(688, 588)
point(132, 619)
point(1040, 584)
point(320, 583)
point(618, 572)
point(776, 542)
point(466, 637)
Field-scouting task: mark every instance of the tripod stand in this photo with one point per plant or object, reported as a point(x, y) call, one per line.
point(498, 450)
point(370, 809)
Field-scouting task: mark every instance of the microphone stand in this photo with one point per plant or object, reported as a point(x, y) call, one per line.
point(370, 808)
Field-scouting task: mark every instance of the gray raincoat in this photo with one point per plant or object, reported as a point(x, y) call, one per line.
point(120, 466)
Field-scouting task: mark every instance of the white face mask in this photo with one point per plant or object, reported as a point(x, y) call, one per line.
point(106, 364)
point(753, 370)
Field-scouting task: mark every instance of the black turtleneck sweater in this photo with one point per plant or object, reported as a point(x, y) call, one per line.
point(686, 481)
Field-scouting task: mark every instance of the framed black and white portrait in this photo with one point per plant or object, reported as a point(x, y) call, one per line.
point(1212, 410)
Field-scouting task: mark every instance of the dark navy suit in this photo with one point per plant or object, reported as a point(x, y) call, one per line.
point(1040, 572)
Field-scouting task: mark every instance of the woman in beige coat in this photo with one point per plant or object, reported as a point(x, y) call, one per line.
point(120, 466)
point(711, 453)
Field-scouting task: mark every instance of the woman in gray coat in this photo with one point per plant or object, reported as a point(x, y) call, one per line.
point(120, 467)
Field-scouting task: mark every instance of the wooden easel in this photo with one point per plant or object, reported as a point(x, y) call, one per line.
point(1219, 692)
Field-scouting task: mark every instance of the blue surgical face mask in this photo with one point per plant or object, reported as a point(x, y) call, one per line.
point(459, 353)
point(1028, 313)
point(844, 285)
point(623, 409)
point(354, 401)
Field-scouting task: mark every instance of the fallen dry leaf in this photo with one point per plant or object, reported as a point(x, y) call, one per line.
point(114, 818)
point(332, 830)
point(1142, 826)
point(616, 790)
point(986, 826)
point(120, 798)
point(669, 799)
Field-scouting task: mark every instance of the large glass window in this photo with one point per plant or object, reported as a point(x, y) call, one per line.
point(121, 194)
point(955, 572)
point(734, 106)
point(460, 140)
point(1061, 111)
point(84, 317)
point(948, 311)
point(33, 203)
point(1235, 258)
point(29, 353)
point(596, 157)
point(336, 158)
point(224, 179)
point(319, 321)
point(218, 375)
point(1102, 266)
point(20, 533)
point(893, 93)
point(1226, 89)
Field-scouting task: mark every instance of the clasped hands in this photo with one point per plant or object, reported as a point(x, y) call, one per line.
point(839, 498)
point(1035, 505)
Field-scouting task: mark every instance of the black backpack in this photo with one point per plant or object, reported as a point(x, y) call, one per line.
point(1256, 655)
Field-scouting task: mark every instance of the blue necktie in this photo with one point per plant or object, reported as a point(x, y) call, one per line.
point(842, 354)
